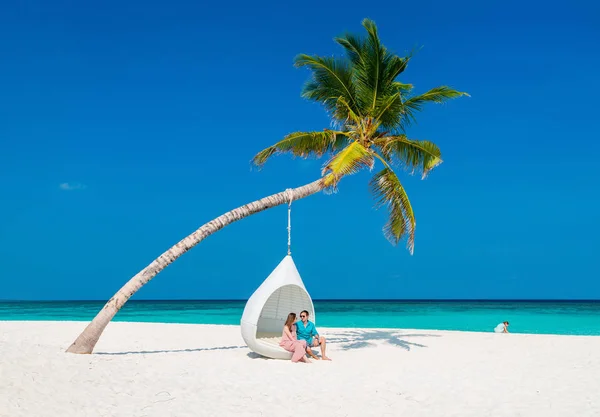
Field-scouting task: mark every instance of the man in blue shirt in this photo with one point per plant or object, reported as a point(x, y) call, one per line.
point(305, 330)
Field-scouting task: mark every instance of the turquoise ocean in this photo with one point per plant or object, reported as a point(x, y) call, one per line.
point(542, 317)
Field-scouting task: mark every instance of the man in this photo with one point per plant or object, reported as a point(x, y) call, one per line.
point(305, 330)
point(502, 328)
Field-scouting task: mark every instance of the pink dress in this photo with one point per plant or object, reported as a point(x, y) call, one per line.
point(297, 347)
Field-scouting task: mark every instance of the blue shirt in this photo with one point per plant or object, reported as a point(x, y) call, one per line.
point(307, 332)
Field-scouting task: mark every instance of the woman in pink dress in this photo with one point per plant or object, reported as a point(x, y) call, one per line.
point(289, 341)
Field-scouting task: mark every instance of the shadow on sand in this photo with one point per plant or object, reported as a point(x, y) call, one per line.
point(347, 340)
point(253, 355)
point(145, 352)
point(357, 339)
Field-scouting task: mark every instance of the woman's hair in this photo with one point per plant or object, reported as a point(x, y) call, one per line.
point(290, 320)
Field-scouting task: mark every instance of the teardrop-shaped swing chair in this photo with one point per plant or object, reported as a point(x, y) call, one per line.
point(283, 292)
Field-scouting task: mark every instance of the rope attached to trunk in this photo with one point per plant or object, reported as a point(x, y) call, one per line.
point(290, 195)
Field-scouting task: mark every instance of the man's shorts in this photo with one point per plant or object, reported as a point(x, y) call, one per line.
point(313, 343)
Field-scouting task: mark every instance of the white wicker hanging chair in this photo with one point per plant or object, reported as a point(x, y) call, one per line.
point(283, 292)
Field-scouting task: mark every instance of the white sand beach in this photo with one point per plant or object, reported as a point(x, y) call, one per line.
point(145, 369)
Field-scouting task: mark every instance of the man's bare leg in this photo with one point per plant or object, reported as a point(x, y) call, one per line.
point(323, 343)
point(310, 353)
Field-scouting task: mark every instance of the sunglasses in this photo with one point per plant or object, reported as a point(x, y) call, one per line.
point(302, 316)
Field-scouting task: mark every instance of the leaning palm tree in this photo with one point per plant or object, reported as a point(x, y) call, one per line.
point(370, 111)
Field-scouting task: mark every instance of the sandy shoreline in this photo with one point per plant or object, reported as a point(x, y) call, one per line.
point(147, 369)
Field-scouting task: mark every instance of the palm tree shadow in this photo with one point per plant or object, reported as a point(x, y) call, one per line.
point(357, 339)
point(146, 352)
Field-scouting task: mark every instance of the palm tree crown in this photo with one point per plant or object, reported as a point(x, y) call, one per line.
point(370, 110)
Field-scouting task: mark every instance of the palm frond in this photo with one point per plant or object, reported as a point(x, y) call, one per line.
point(341, 141)
point(388, 191)
point(331, 79)
point(303, 144)
point(435, 95)
point(415, 155)
point(403, 88)
point(395, 66)
point(376, 53)
point(389, 111)
point(353, 45)
point(375, 70)
point(344, 110)
point(348, 161)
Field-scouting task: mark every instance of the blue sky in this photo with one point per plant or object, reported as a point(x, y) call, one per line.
point(124, 126)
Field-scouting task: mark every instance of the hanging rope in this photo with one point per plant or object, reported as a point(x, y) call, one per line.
point(290, 195)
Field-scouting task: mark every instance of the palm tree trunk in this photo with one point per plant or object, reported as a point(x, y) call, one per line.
point(89, 337)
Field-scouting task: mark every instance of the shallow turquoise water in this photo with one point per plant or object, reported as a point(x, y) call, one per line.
point(547, 317)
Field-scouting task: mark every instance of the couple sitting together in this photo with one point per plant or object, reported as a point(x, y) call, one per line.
point(299, 337)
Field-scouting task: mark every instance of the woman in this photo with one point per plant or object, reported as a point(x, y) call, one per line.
point(289, 341)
